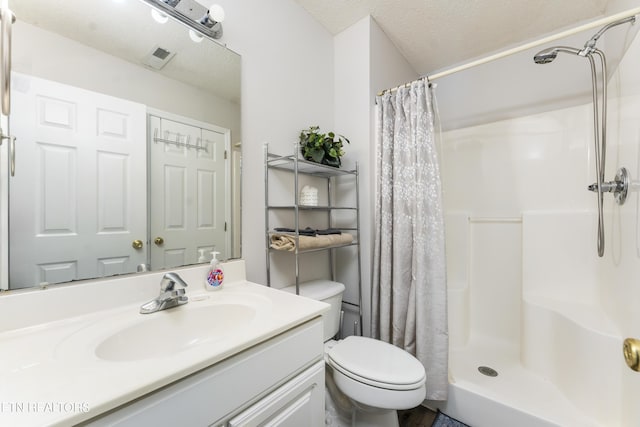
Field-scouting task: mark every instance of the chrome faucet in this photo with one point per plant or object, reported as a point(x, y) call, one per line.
point(169, 295)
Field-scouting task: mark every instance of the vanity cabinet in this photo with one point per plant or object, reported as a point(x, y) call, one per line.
point(279, 382)
point(342, 216)
point(293, 404)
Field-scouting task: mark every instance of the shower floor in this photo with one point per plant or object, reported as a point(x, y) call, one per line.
point(516, 396)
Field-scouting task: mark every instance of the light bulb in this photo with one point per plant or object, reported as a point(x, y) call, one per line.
point(216, 12)
point(195, 37)
point(159, 17)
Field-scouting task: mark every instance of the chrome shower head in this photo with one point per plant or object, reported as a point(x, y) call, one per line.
point(548, 55)
point(545, 56)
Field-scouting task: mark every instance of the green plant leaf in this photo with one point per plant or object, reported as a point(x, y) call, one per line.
point(325, 148)
point(317, 155)
point(332, 162)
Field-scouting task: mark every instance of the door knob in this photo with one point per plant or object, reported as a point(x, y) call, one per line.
point(137, 244)
point(631, 352)
point(158, 241)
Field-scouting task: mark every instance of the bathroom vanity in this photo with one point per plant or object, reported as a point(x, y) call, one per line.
point(84, 355)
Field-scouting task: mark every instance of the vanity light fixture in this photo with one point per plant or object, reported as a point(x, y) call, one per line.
point(195, 37)
point(159, 17)
point(207, 22)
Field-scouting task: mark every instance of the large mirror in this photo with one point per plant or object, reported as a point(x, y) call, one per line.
point(127, 155)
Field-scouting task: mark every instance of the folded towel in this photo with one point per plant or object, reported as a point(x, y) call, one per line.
point(329, 231)
point(287, 242)
point(306, 232)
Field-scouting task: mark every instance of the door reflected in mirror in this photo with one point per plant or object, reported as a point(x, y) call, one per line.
point(120, 167)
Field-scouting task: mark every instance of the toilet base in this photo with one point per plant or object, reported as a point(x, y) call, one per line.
point(340, 410)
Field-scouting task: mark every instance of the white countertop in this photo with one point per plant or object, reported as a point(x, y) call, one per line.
point(50, 373)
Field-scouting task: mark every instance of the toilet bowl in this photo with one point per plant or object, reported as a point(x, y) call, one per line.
point(377, 378)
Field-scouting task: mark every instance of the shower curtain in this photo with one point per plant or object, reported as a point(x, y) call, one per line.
point(409, 296)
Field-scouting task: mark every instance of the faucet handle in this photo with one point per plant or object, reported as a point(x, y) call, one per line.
point(169, 280)
point(177, 292)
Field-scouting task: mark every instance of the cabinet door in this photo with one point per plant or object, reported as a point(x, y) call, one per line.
point(299, 402)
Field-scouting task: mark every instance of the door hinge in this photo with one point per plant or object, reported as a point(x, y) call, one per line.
point(225, 226)
point(225, 154)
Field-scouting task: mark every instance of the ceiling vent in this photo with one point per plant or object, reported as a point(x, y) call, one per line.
point(158, 58)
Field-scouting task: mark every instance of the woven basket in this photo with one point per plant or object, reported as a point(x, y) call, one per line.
point(309, 196)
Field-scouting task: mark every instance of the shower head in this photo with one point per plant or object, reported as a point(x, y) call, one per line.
point(545, 56)
point(548, 55)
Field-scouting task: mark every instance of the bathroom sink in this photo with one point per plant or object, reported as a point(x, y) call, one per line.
point(174, 330)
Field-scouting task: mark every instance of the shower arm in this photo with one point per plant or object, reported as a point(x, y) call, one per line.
point(590, 45)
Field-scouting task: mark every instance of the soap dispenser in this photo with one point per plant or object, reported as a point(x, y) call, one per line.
point(215, 275)
point(202, 258)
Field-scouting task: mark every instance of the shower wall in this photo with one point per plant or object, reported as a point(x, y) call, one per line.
point(523, 270)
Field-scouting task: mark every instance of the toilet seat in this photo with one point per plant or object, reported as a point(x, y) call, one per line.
point(377, 364)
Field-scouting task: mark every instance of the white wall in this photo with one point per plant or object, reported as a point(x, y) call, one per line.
point(287, 86)
point(365, 63)
point(290, 83)
point(351, 92)
point(44, 54)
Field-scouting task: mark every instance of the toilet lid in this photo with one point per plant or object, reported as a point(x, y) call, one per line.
point(376, 363)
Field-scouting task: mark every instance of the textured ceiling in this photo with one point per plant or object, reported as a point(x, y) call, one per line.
point(435, 34)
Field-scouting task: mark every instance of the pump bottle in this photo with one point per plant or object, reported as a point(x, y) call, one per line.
point(215, 274)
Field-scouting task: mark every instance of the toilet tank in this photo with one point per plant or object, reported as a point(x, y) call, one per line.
point(325, 291)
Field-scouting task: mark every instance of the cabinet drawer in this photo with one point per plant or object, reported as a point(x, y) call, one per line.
point(299, 402)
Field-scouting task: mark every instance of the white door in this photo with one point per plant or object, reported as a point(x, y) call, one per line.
point(78, 197)
point(187, 192)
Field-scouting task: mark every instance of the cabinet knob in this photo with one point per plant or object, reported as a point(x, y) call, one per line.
point(137, 244)
point(158, 241)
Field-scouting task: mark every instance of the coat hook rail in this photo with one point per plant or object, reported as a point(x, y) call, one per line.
point(177, 141)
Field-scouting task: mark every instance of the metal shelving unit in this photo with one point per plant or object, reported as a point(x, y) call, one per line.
point(297, 166)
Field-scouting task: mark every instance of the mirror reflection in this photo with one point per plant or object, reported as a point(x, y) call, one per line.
point(127, 155)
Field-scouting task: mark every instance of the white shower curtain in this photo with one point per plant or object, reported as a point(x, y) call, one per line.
point(409, 297)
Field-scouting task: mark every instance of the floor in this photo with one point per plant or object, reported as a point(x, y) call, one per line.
point(416, 417)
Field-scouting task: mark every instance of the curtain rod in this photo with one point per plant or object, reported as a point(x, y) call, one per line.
point(403, 85)
point(520, 48)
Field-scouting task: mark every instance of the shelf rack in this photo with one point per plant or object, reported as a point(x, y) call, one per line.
point(298, 166)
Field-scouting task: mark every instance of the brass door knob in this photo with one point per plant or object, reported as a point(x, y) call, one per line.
point(137, 244)
point(158, 241)
point(631, 351)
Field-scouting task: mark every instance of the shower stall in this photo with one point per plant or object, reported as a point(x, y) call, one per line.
point(537, 318)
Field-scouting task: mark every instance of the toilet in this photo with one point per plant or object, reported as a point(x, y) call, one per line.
point(367, 380)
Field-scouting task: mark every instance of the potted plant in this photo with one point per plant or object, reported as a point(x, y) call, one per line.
point(324, 148)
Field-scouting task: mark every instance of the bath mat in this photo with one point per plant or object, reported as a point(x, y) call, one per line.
point(443, 420)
